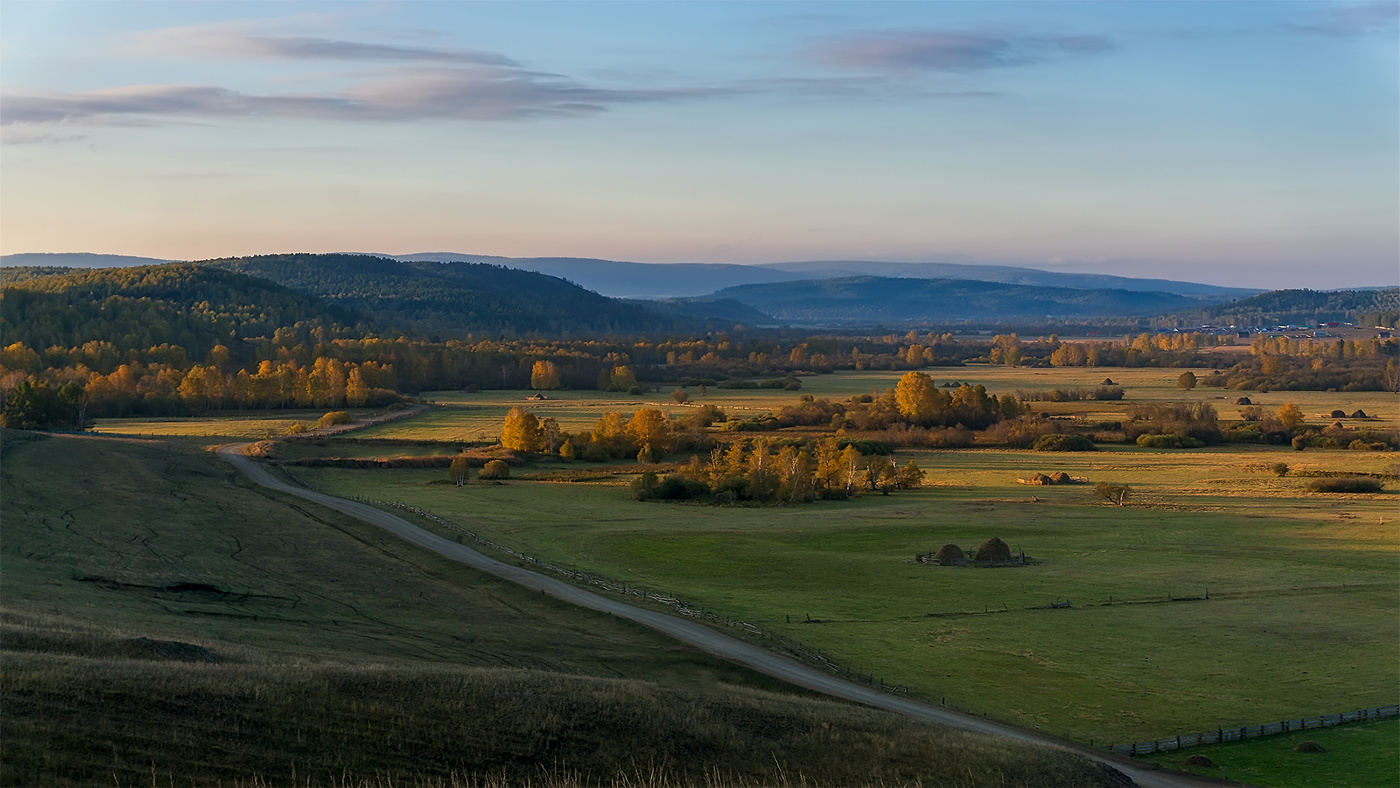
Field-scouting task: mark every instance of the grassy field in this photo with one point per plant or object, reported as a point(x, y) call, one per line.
point(478, 416)
point(164, 621)
point(1282, 565)
point(253, 425)
point(1358, 756)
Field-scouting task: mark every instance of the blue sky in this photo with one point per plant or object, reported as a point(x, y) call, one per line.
point(1243, 143)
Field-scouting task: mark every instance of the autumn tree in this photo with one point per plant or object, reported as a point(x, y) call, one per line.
point(917, 397)
point(1290, 416)
point(650, 427)
point(1186, 380)
point(459, 471)
point(544, 376)
point(522, 431)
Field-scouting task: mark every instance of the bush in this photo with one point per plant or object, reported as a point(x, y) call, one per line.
point(678, 488)
point(1168, 441)
point(494, 470)
point(1347, 484)
point(1279, 468)
point(644, 486)
point(334, 417)
point(1063, 443)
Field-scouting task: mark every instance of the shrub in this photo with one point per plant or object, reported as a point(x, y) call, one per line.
point(644, 486)
point(1063, 443)
point(334, 417)
point(1118, 493)
point(678, 488)
point(1168, 441)
point(1347, 484)
point(495, 470)
point(296, 428)
point(1279, 468)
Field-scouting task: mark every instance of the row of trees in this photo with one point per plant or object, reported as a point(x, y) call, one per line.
point(768, 471)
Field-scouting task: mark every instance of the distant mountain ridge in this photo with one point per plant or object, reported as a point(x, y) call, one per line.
point(872, 299)
point(687, 280)
point(624, 279)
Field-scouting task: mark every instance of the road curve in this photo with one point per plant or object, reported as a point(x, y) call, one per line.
point(703, 637)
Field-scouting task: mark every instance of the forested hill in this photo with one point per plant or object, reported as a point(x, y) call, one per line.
point(178, 304)
point(1277, 307)
point(872, 299)
point(450, 298)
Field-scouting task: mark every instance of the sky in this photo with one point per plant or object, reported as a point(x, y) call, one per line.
point(1237, 143)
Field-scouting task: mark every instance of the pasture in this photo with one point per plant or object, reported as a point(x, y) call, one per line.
point(1127, 660)
point(1357, 756)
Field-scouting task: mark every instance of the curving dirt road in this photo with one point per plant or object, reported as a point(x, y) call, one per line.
point(698, 635)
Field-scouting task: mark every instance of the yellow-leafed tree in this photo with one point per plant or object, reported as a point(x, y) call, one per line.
point(522, 431)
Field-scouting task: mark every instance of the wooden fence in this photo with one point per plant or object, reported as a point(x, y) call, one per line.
point(1252, 731)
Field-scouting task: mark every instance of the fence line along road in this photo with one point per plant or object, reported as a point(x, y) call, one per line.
point(1222, 735)
point(703, 637)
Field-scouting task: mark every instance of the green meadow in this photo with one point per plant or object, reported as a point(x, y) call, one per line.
point(1302, 611)
point(1360, 755)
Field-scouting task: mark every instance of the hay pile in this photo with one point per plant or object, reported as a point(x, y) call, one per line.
point(1198, 762)
point(1060, 477)
point(993, 550)
point(1037, 478)
point(1309, 746)
point(950, 555)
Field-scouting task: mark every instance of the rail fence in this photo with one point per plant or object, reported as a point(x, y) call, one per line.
point(1222, 735)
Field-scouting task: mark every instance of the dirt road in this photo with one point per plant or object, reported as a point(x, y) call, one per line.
point(703, 637)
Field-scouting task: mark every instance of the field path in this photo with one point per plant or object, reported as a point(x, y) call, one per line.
point(703, 637)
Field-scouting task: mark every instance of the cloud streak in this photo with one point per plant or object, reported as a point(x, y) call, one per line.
point(479, 93)
point(940, 50)
point(1353, 20)
point(220, 42)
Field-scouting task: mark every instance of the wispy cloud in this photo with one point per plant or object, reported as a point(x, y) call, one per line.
point(223, 41)
point(482, 93)
point(941, 50)
point(1353, 20)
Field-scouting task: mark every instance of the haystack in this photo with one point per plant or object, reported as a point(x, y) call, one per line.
point(1036, 478)
point(1243, 401)
point(1060, 477)
point(1360, 414)
point(950, 555)
point(993, 550)
point(1309, 746)
point(1198, 762)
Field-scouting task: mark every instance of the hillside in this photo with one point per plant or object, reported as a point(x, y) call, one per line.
point(449, 298)
point(867, 300)
point(151, 635)
point(1282, 307)
point(141, 307)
